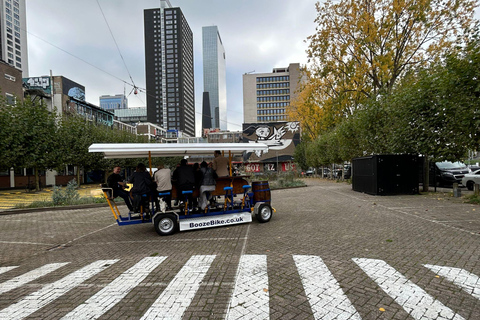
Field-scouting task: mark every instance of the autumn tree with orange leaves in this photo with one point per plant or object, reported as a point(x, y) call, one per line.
point(363, 48)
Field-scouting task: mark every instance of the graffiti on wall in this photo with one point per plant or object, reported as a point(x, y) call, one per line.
point(281, 138)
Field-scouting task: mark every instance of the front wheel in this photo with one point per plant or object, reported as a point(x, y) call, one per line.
point(264, 213)
point(166, 224)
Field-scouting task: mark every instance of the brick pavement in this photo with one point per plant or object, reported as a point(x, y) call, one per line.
point(328, 253)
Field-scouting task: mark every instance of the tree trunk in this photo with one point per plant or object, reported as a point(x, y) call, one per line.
point(78, 176)
point(37, 179)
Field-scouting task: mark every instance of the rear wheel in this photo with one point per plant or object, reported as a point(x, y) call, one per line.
point(470, 185)
point(264, 213)
point(166, 224)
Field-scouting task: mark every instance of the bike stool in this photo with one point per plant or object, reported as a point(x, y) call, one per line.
point(228, 197)
point(245, 189)
point(186, 193)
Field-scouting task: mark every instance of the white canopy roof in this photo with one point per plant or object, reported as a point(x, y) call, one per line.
point(141, 150)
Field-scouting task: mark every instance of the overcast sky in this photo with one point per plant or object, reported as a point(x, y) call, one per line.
point(72, 39)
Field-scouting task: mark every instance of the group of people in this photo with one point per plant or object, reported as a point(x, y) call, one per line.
point(184, 177)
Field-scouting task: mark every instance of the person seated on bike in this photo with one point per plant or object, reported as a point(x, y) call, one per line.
point(207, 184)
point(115, 181)
point(163, 179)
point(142, 184)
point(184, 179)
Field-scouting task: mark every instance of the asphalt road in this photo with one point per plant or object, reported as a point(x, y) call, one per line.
point(327, 253)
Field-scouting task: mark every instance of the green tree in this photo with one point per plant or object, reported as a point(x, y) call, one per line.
point(28, 136)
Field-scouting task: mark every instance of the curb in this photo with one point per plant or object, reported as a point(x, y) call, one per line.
point(30, 210)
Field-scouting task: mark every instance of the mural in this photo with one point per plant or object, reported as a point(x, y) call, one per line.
point(281, 138)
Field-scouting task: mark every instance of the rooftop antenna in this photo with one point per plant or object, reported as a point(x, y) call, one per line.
point(250, 72)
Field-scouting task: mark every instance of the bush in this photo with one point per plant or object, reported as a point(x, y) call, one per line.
point(67, 197)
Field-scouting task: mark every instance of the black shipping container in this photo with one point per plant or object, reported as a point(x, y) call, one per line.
point(386, 174)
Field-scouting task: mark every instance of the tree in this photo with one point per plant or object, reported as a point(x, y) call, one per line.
point(362, 48)
point(28, 137)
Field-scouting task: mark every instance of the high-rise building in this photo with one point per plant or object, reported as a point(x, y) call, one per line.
point(214, 77)
point(13, 34)
point(118, 101)
point(266, 96)
point(169, 69)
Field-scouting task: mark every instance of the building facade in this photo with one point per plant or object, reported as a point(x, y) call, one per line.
point(118, 101)
point(169, 69)
point(266, 96)
point(214, 78)
point(13, 34)
point(11, 83)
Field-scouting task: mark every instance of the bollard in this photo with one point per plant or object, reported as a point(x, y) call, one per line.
point(476, 189)
point(457, 192)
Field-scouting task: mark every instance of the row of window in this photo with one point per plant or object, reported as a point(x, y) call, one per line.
point(271, 99)
point(270, 92)
point(273, 79)
point(271, 118)
point(272, 105)
point(270, 111)
point(273, 85)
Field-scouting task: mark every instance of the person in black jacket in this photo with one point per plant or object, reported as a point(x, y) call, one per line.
point(184, 179)
point(142, 184)
point(115, 181)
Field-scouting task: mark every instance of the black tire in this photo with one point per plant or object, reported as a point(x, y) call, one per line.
point(166, 224)
point(264, 213)
point(470, 185)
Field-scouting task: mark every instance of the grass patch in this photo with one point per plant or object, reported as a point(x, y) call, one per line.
point(473, 199)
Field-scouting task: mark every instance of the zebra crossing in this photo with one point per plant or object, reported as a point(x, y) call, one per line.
point(250, 295)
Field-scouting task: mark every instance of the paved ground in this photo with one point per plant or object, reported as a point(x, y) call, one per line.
point(328, 253)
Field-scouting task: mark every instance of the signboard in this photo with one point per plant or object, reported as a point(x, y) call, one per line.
point(252, 167)
point(281, 138)
point(38, 83)
point(288, 166)
point(215, 221)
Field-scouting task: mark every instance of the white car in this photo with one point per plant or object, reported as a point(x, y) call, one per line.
point(470, 179)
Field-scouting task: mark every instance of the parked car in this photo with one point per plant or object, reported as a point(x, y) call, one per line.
point(446, 173)
point(309, 172)
point(348, 171)
point(470, 179)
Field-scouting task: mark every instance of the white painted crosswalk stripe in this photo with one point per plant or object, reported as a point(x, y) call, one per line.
point(250, 299)
point(177, 296)
point(6, 269)
point(29, 276)
point(324, 294)
point(50, 292)
point(469, 282)
point(413, 299)
point(112, 294)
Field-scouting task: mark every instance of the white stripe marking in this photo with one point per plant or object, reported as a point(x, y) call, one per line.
point(109, 296)
point(50, 292)
point(324, 294)
point(462, 278)
point(418, 303)
point(177, 296)
point(6, 269)
point(29, 276)
point(250, 299)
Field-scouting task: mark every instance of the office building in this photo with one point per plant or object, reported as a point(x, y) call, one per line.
point(214, 79)
point(118, 101)
point(13, 34)
point(266, 96)
point(169, 69)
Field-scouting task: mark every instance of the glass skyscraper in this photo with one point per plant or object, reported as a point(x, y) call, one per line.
point(169, 69)
point(214, 76)
point(118, 101)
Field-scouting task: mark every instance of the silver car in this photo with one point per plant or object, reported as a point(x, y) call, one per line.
point(470, 179)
